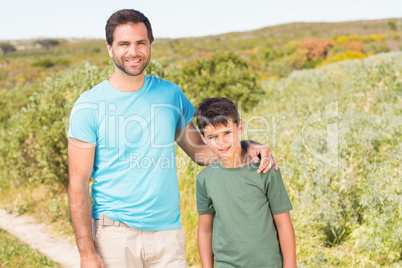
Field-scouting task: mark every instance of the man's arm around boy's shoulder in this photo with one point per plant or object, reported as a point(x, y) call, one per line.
point(204, 237)
point(286, 238)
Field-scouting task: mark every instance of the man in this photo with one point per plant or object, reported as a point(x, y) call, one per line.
point(122, 133)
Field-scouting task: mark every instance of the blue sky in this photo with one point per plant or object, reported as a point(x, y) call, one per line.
point(179, 18)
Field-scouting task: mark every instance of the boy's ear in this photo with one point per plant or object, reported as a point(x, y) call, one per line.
point(240, 127)
point(203, 138)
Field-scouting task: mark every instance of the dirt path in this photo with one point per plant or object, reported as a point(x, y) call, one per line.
point(36, 236)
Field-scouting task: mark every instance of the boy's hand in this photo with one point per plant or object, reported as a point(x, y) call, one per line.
point(259, 152)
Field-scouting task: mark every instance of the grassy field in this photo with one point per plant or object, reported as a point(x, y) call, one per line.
point(14, 253)
point(335, 130)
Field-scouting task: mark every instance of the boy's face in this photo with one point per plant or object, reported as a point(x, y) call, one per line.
point(223, 140)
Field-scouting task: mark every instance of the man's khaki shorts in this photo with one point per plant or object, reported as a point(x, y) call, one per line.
point(121, 246)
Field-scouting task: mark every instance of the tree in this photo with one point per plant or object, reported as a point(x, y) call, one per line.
point(48, 43)
point(7, 48)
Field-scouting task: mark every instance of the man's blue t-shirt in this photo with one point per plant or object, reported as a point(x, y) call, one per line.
point(135, 159)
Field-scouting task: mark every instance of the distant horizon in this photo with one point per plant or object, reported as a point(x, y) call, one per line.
point(25, 19)
point(250, 30)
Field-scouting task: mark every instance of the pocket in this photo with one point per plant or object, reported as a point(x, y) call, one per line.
point(96, 231)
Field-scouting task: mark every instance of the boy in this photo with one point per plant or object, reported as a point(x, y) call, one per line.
point(243, 216)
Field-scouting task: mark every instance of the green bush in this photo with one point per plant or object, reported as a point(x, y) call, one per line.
point(223, 75)
point(300, 58)
point(156, 69)
point(34, 144)
point(348, 215)
point(47, 63)
point(282, 67)
point(7, 48)
point(48, 43)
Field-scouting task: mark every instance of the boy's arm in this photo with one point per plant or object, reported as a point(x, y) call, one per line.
point(287, 239)
point(189, 139)
point(204, 237)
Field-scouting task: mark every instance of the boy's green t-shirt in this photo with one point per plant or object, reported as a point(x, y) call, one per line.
point(244, 232)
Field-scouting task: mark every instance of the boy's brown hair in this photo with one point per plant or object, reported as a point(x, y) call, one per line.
point(216, 112)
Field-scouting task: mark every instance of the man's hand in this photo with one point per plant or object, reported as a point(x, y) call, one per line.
point(259, 152)
point(91, 261)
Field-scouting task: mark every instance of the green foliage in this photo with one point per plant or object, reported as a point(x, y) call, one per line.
point(282, 67)
point(34, 144)
point(376, 47)
point(48, 43)
point(223, 75)
point(47, 63)
point(347, 215)
point(381, 231)
point(156, 69)
point(300, 58)
point(392, 25)
point(13, 253)
point(7, 48)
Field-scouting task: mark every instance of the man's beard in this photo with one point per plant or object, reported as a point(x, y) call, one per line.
point(132, 73)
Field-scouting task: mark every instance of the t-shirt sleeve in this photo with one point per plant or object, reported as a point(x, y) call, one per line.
point(277, 196)
point(186, 108)
point(204, 202)
point(83, 121)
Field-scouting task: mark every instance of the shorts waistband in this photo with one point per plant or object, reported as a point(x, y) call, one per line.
point(105, 220)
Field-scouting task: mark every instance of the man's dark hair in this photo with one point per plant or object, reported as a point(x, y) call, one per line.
point(125, 16)
point(216, 112)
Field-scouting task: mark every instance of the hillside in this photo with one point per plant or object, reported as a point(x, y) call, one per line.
point(269, 50)
point(300, 30)
point(280, 35)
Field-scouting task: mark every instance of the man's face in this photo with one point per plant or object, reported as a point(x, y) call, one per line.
point(131, 49)
point(223, 140)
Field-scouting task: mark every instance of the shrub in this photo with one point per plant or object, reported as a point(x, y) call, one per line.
point(223, 75)
point(377, 47)
point(48, 43)
point(377, 37)
point(282, 67)
point(156, 69)
point(354, 45)
point(7, 48)
point(348, 215)
point(300, 58)
point(317, 49)
point(34, 144)
point(349, 55)
point(392, 25)
point(381, 231)
point(48, 63)
point(346, 38)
